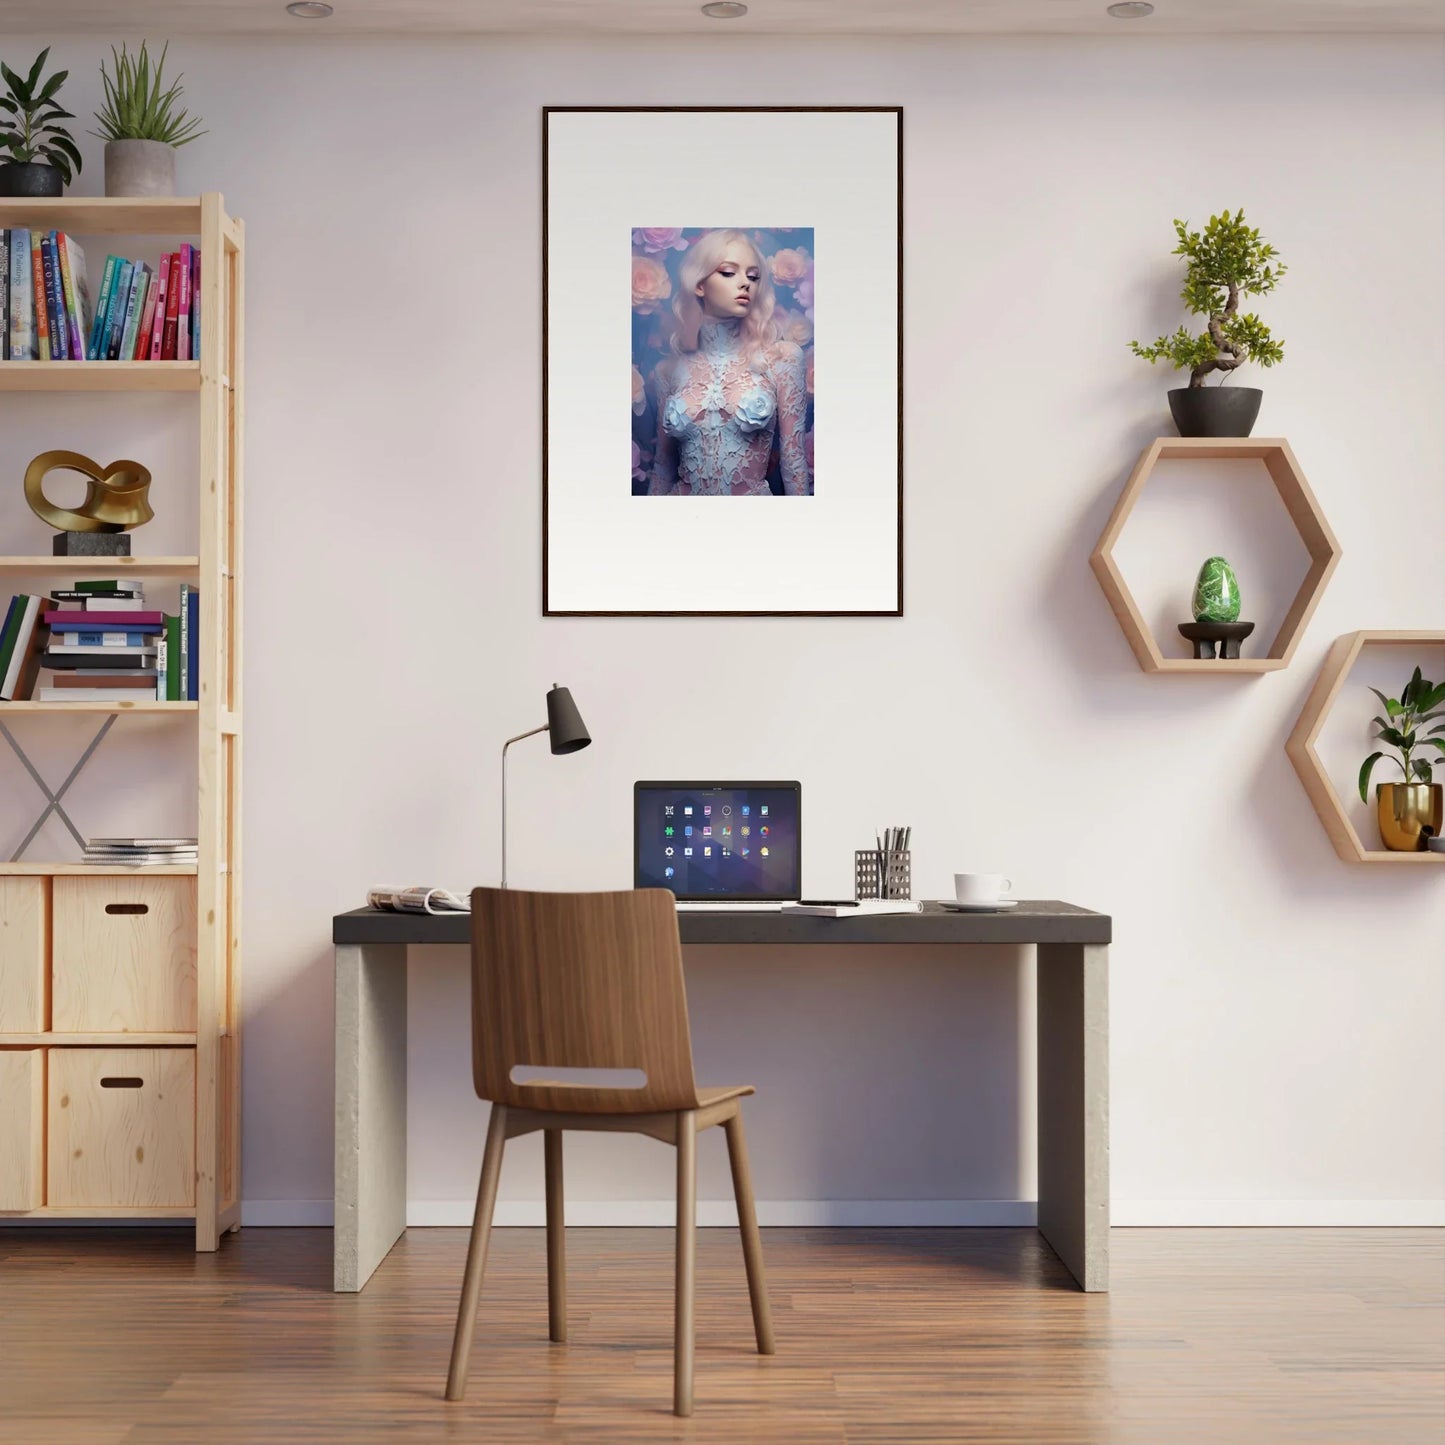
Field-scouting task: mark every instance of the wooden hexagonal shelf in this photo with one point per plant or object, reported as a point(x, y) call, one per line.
point(1304, 512)
point(1301, 746)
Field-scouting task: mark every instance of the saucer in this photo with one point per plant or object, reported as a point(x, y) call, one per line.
point(955, 907)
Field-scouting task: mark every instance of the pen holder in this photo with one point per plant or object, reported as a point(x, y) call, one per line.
point(882, 874)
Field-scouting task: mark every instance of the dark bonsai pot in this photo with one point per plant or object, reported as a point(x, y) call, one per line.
point(30, 178)
point(1215, 411)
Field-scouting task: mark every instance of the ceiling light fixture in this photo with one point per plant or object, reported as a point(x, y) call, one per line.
point(725, 10)
point(309, 9)
point(1131, 9)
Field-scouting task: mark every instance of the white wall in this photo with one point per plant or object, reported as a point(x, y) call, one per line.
point(1276, 1015)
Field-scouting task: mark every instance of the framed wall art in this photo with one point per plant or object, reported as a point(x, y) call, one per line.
point(722, 372)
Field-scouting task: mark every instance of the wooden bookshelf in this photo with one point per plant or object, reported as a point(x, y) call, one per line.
point(1300, 747)
point(100, 375)
point(40, 891)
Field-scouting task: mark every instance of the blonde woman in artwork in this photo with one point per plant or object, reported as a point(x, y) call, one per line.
point(731, 383)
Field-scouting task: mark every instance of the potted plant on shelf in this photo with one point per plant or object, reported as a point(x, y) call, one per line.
point(1409, 812)
point(141, 125)
point(1224, 263)
point(39, 156)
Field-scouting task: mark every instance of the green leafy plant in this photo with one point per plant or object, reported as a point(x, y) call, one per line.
point(29, 110)
point(1419, 703)
point(136, 108)
point(1225, 262)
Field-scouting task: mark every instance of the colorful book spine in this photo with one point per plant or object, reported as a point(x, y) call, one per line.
point(70, 620)
point(7, 633)
point(142, 347)
point(102, 639)
point(163, 671)
point(193, 649)
point(95, 350)
point(24, 661)
point(175, 679)
point(187, 637)
point(54, 306)
point(158, 324)
point(195, 303)
point(4, 295)
point(183, 307)
point(173, 299)
point(22, 305)
point(115, 321)
point(37, 282)
point(133, 308)
point(77, 294)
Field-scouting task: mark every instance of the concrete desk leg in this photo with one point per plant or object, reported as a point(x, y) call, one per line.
point(1073, 1005)
point(370, 1108)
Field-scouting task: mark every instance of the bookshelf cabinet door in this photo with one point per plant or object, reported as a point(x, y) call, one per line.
point(24, 942)
point(22, 1129)
point(124, 955)
point(121, 1127)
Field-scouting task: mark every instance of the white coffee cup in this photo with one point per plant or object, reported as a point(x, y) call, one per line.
point(980, 887)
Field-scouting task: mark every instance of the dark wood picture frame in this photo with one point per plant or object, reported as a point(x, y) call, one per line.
point(547, 113)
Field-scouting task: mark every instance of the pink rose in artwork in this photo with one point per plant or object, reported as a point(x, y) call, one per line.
point(637, 473)
point(639, 393)
point(656, 240)
point(803, 292)
point(789, 265)
point(651, 285)
point(793, 326)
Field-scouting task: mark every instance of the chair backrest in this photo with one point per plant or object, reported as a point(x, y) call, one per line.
point(580, 981)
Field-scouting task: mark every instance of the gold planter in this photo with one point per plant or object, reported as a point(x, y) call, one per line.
point(1406, 811)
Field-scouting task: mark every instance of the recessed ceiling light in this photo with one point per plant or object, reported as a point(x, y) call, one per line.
point(1131, 9)
point(309, 9)
point(725, 10)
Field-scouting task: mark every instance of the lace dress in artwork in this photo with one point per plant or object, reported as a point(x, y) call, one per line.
point(717, 416)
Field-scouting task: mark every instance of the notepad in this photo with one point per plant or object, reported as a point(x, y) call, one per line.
point(866, 908)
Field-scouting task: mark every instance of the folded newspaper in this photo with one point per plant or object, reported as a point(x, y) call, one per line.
point(418, 900)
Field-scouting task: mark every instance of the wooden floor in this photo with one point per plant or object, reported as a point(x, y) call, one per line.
point(1223, 1337)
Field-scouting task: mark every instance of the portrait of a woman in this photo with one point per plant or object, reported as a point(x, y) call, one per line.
point(726, 408)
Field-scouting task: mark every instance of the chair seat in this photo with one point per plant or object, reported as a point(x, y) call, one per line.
point(707, 1097)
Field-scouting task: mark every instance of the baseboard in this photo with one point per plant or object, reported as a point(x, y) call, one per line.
point(898, 1213)
point(1278, 1213)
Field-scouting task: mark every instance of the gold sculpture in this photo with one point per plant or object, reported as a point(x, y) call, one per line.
point(115, 496)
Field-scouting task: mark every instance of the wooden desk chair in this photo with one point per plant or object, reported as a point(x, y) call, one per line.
point(593, 981)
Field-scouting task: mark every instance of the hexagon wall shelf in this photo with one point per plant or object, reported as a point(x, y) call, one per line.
point(1304, 512)
point(1301, 746)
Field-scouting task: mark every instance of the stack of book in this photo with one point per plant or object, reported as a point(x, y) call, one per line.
point(140, 852)
point(141, 313)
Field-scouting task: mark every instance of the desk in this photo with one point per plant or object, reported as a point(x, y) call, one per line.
point(1073, 1056)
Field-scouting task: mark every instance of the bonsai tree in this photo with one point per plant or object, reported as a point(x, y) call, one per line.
point(136, 108)
point(29, 134)
point(1225, 262)
point(1419, 703)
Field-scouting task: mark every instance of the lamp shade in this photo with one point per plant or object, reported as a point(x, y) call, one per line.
point(565, 729)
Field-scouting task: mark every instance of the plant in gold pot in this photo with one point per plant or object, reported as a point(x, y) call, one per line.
point(141, 125)
point(1410, 812)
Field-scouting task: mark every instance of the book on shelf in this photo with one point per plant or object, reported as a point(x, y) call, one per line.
point(138, 852)
point(140, 313)
point(21, 648)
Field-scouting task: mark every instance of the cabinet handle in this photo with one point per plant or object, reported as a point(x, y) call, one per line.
point(127, 908)
point(122, 1083)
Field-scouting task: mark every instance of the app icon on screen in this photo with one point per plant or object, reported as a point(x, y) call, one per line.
point(746, 830)
point(687, 811)
point(762, 810)
point(707, 830)
point(764, 830)
point(744, 852)
point(763, 851)
point(668, 830)
point(727, 808)
point(667, 810)
point(707, 852)
point(687, 830)
point(669, 850)
point(727, 832)
point(746, 810)
point(668, 872)
point(707, 810)
point(727, 853)
point(687, 852)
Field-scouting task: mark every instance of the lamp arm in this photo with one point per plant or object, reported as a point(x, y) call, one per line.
point(532, 733)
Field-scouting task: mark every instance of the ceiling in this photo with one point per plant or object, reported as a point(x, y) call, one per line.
point(163, 18)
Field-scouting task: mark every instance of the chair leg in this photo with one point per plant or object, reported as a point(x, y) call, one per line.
point(683, 1322)
point(748, 1228)
point(556, 1238)
point(477, 1253)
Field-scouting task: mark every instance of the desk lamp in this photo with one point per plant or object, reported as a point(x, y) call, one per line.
point(568, 735)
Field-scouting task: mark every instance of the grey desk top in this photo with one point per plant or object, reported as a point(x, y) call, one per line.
point(1033, 921)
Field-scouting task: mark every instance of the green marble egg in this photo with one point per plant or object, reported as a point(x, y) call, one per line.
point(1216, 592)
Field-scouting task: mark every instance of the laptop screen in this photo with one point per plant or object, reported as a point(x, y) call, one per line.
point(719, 840)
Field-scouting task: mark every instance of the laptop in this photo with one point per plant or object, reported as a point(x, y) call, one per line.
point(719, 845)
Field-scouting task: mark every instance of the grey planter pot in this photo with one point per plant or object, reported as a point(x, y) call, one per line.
point(1215, 411)
point(140, 168)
